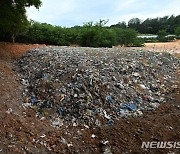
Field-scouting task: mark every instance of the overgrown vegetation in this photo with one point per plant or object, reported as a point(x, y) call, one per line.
point(91, 34)
point(166, 28)
point(152, 26)
point(177, 32)
point(15, 26)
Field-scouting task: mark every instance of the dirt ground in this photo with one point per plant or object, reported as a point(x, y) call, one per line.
point(22, 132)
point(172, 47)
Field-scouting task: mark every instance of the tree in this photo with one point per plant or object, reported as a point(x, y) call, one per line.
point(13, 19)
point(134, 23)
point(119, 25)
point(126, 37)
point(96, 35)
point(101, 23)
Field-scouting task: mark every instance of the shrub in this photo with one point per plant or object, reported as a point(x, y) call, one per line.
point(177, 32)
point(162, 36)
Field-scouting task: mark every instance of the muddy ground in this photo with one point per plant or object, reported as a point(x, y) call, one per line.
point(22, 132)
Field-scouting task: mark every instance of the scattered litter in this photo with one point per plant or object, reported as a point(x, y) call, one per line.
point(33, 100)
point(93, 136)
point(42, 136)
point(136, 74)
point(94, 84)
point(86, 126)
point(9, 111)
point(63, 140)
point(143, 86)
point(43, 118)
point(58, 122)
point(106, 150)
point(104, 142)
point(110, 123)
point(129, 106)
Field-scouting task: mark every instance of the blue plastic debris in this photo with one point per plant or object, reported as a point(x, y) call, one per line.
point(109, 99)
point(60, 111)
point(110, 123)
point(45, 76)
point(33, 100)
point(129, 106)
point(137, 100)
point(117, 109)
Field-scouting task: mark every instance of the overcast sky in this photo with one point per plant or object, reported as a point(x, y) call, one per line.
point(68, 13)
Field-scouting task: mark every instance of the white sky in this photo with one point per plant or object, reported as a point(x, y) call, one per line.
point(68, 13)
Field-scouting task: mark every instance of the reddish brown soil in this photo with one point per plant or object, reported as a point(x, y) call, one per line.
point(22, 132)
point(10, 50)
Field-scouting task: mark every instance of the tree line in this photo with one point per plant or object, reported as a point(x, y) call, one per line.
point(152, 26)
point(14, 26)
point(90, 34)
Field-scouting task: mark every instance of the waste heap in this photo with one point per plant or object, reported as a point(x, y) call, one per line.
point(91, 85)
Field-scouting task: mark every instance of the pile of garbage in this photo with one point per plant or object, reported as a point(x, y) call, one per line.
point(91, 85)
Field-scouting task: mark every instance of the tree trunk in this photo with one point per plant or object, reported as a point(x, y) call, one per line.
point(13, 38)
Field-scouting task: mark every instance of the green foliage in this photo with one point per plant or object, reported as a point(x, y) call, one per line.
point(119, 25)
point(177, 32)
point(91, 35)
point(46, 33)
point(101, 23)
point(127, 37)
point(96, 35)
point(171, 38)
point(152, 26)
point(87, 36)
point(149, 40)
point(135, 23)
point(162, 36)
point(162, 33)
point(13, 20)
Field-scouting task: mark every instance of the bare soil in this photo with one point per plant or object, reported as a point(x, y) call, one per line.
point(22, 132)
point(172, 47)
